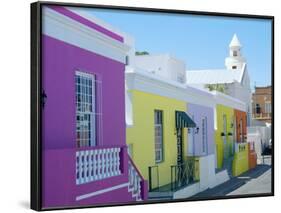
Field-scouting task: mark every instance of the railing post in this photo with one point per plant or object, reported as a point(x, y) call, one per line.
point(77, 168)
point(136, 182)
point(118, 161)
point(149, 178)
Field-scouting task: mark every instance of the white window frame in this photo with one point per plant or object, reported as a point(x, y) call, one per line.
point(158, 135)
point(267, 107)
point(85, 109)
point(204, 134)
point(191, 139)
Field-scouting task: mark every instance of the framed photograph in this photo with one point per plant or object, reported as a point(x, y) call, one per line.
point(142, 105)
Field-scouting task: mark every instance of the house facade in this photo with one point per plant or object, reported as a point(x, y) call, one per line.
point(186, 145)
point(224, 135)
point(154, 127)
point(261, 104)
point(240, 124)
point(201, 142)
point(232, 149)
point(152, 139)
point(84, 153)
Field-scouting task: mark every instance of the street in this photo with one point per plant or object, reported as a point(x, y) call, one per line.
point(257, 180)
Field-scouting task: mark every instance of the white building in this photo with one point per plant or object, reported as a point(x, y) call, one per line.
point(163, 65)
point(234, 77)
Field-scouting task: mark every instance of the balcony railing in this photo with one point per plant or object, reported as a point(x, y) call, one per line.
point(97, 164)
point(153, 174)
point(183, 174)
point(262, 115)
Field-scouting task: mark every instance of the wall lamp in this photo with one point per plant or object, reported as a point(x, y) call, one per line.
point(196, 130)
point(43, 98)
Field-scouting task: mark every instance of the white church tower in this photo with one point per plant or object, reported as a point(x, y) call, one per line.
point(234, 60)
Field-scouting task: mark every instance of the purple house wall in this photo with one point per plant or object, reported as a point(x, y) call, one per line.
point(197, 112)
point(60, 61)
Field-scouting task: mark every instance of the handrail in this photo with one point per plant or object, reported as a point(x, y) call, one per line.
point(136, 181)
point(85, 148)
point(132, 162)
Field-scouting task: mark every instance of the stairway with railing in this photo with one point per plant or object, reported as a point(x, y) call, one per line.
point(181, 176)
point(102, 163)
point(137, 184)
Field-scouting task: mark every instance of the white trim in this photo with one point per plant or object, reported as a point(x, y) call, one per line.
point(70, 31)
point(146, 82)
point(242, 73)
point(85, 196)
point(143, 81)
point(229, 101)
point(82, 12)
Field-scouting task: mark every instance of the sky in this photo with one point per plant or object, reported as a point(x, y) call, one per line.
point(201, 41)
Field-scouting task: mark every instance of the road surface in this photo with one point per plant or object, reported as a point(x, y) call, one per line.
point(257, 180)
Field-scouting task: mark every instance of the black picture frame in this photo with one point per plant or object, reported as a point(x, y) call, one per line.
point(36, 98)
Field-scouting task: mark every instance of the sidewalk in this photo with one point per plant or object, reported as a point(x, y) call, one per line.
point(257, 180)
point(262, 184)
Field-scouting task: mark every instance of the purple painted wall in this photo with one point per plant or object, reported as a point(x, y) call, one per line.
point(199, 112)
point(60, 61)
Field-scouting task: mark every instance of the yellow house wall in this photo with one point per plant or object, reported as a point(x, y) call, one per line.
point(240, 162)
point(140, 137)
point(229, 112)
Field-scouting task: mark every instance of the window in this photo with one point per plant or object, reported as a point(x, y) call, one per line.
point(180, 78)
point(267, 107)
point(224, 124)
point(258, 109)
point(241, 130)
point(191, 136)
point(127, 60)
point(204, 135)
point(234, 67)
point(158, 126)
point(130, 150)
point(85, 108)
point(235, 53)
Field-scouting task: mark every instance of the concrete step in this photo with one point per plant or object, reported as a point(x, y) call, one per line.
point(160, 195)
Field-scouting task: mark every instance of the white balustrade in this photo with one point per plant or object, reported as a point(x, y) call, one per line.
point(240, 146)
point(92, 165)
point(134, 181)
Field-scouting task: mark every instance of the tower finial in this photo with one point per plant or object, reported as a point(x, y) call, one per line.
point(235, 41)
point(234, 60)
